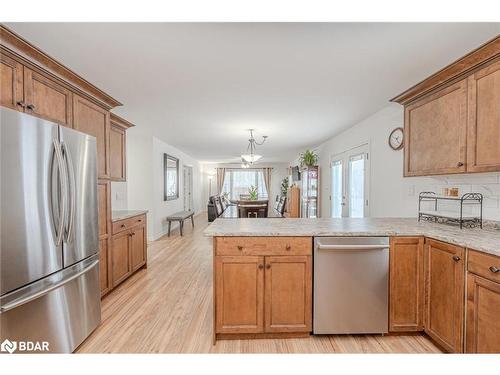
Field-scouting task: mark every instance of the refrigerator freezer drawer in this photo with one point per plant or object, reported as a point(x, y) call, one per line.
point(61, 310)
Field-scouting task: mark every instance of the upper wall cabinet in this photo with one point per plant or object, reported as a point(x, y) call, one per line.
point(483, 153)
point(452, 119)
point(117, 148)
point(94, 120)
point(11, 83)
point(45, 98)
point(432, 151)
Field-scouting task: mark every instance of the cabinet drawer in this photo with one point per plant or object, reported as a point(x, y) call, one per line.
point(119, 226)
point(263, 245)
point(484, 265)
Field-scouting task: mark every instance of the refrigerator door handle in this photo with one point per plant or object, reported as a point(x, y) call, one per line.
point(64, 191)
point(71, 191)
point(24, 300)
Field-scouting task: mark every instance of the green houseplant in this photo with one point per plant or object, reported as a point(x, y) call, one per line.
point(284, 186)
point(252, 191)
point(308, 158)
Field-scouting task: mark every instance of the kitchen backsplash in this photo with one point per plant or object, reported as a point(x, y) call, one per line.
point(486, 184)
point(119, 196)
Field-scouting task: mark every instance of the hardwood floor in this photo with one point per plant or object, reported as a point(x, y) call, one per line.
point(167, 308)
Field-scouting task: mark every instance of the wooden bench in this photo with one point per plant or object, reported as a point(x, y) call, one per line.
point(180, 217)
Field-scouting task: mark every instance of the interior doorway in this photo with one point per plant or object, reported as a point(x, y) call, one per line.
point(350, 171)
point(188, 187)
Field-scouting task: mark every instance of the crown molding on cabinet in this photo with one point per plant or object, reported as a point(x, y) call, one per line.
point(26, 51)
point(120, 121)
point(455, 71)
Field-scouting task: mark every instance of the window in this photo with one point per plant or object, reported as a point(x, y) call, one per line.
point(238, 181)
point(171, 177)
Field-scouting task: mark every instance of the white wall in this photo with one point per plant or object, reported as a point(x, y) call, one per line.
point(144, 187)
point(392, 195)
point(278, 173)
point(161, 208)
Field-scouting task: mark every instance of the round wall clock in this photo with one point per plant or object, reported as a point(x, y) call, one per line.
point(396, 139)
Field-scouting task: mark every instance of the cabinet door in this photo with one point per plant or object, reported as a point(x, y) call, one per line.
point(91, 119)
point(103, 208)
point(120, 257)
point(288, 294)
point(435, 133)
point(483, 312)
point(406, 291)
point(103, 266)
point(47, 99)
point(11, 83)
point(117, 159)
point(483, 148)
point(138, 247)
point(239, 294)
point(445, 294)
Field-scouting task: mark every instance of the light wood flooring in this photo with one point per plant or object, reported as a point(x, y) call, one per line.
point(167, 308)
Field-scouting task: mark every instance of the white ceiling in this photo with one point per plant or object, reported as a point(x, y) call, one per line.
point(199, 86)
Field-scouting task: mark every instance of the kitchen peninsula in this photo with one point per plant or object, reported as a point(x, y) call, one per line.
point(442, 280)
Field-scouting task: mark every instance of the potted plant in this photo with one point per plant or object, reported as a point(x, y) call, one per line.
point(254, 194)
point(308, 159)
point(284, 186)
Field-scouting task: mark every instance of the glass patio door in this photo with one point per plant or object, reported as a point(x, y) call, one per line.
point(349, 183)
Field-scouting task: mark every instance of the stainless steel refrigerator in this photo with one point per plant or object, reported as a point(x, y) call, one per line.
point(49, 256)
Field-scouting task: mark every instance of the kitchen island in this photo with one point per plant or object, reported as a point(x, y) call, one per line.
point(263, 278)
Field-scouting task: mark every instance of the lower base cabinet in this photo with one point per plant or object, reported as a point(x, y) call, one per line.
point(406, 284)
point(128, 250)
point(444, 294)
point(263, 294)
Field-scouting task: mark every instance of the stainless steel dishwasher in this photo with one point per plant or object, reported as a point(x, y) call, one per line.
point(351, 282)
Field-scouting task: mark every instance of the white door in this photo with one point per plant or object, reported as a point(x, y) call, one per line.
point(188, 188)
point(350, 171)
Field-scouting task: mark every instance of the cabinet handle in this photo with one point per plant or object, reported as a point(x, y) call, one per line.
point(133, 234)
point(261, 266)
point(139, 220)
point(494, 269)
point(21, 104)
point(288, 247)
point(31, 107)
point(460, 164)
point(240, 248)
point(456, 258)
point(268, 266)
point(123, 225)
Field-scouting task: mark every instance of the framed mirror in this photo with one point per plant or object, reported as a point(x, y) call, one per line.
point(171, 178)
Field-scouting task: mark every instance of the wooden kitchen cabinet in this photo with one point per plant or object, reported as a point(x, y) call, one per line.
point(435, 133)
point(263, 285)
point(288, 294)
point(451, 120)
point(91, 119)
point(406, 284)
point(444, 294)
point(239, 294)
point(11, 83)
point(117, 147)
point(483, 148)
point(120, 257)
point(47, 99)
point(103, 267)
point(483, 322)
point(103, 205)
point(138, 248)
point(128, 248)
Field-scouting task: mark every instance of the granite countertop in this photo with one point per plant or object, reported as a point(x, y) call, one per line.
point(485, 240)
point(125, 214)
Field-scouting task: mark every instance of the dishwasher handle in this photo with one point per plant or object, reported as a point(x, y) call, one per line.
point(352, 247)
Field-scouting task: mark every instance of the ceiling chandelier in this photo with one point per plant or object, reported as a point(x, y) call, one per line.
point(251, 157)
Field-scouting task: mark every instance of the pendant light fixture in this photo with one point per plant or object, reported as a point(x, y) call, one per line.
point(251, 157)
